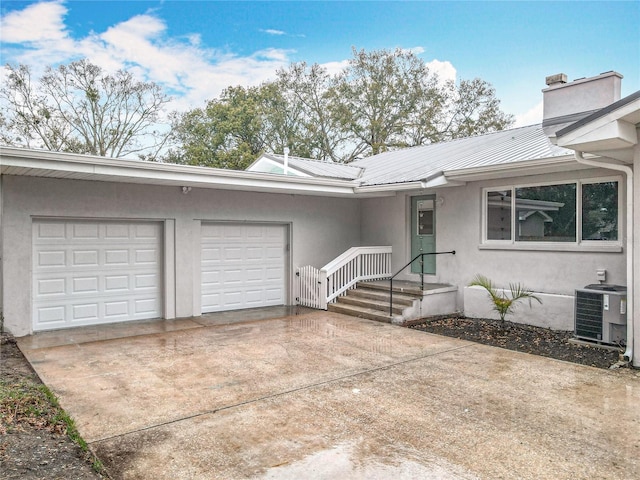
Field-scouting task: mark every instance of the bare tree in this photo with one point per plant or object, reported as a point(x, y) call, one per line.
point(79, 108)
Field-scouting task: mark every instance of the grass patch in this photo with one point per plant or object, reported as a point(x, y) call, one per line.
point(27, 403)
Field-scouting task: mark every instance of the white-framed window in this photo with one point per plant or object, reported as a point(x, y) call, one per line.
point(567, 213)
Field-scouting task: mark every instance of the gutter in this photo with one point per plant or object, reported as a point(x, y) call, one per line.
point(56, 165)
point(579, 156)
point(437, 179)
point(519, 168)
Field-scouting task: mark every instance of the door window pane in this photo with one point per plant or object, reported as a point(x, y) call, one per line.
point(546, 213)
point(600, 211)
point(499, 215)
point(425, 217)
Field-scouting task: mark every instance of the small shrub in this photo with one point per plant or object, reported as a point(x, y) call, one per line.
point(502, 303)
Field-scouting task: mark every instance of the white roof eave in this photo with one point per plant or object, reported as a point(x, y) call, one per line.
point(60, 165)
point(609, 135)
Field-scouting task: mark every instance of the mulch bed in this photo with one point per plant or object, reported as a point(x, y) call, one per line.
point(519, 337)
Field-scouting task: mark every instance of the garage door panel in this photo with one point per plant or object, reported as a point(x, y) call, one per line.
point(211, 299)
point(232, 298)
point(51, 231)
point(52, 316)
point(248, 260)
point(51, 258)
point(85, 312)
point(146, 281)
point(147, 231)
point(114, 283)
point(254, 253)
point(85, 285)
point(85, 231)
point(85, 258)
point(116, 309)
point(146, 256)
point(116, 232)
point(232, 276)
point(233, 232)
point(51, 286)
point(274, 294)
point(144, 306)
point(98, 272)
point(254, 275)
point(274, 253)
point(232, 254)
point(116, 257)
point(211, 254)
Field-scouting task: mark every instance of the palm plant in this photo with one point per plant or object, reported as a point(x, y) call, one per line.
point(502, 303)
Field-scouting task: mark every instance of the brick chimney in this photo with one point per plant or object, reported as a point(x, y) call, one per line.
point(566, 103)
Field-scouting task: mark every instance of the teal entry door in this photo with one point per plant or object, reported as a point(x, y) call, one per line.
point(423, 233)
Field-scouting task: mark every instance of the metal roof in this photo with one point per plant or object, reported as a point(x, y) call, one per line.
point(317, 168)
point(425, 162)
point(508, 152)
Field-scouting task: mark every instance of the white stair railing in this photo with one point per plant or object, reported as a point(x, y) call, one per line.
point(319, 287)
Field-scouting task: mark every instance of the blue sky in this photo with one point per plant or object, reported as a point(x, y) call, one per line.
point(197, 48)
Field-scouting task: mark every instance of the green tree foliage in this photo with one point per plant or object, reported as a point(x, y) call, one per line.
point(228, 133)
point(382, 100)
point(79, 108)
point(379, 98)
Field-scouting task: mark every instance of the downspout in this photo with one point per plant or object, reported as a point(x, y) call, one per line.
point(628, 171)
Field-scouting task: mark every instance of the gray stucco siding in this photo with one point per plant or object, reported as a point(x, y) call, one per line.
point(459, 227)
point(320, 228)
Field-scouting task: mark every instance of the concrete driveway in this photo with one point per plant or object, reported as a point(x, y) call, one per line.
point(323, 396)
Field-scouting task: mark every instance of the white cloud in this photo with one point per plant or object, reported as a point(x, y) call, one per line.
point(36, 35)
point(188, 71)
point(272, 31)
point(36, 24)
point(530, 117)
point(445, 70)
point(334, 68)
point(415, 50)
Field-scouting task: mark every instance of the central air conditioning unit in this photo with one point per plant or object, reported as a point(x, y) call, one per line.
point(601, 314)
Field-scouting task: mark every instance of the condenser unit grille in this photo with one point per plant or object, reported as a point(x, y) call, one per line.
point(589, 315)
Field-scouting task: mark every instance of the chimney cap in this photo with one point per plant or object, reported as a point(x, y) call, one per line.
point(555, 79)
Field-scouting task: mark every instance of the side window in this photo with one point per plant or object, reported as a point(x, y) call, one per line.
point(498, 214)
point(573, 212)
point(546, 214)
point(600, 211)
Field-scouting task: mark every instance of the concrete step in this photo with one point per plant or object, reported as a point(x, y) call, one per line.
point(360, 312)
point(379, 305)
point(398, 287)
point(381, 296)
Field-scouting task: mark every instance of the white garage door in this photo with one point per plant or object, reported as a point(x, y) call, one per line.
point(92, 272)
point(243, 266)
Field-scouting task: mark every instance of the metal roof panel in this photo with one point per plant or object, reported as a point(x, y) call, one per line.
point(419, 163)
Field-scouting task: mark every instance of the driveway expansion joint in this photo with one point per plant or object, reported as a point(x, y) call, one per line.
point(280, 394)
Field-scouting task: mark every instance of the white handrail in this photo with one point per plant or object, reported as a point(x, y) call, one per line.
point(318, 288)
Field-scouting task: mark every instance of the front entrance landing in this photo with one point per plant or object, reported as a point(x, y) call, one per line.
point(410, 301)
point(323, 395)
